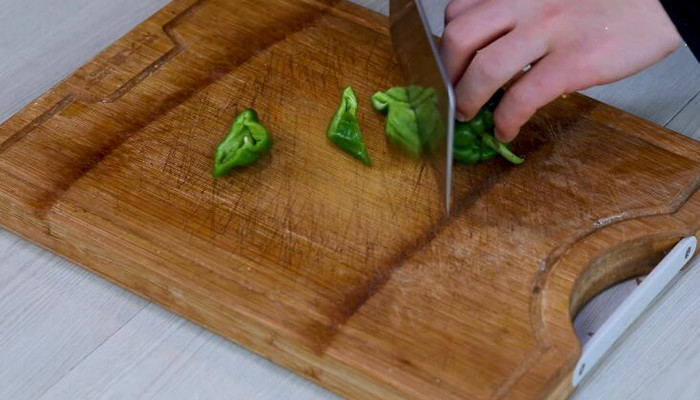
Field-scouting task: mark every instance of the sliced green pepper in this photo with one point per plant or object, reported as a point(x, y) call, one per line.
point(401, 124)
point(344, 130)
point(469, 146)
point(424, 101)
point(474, 141)
point(245, 143)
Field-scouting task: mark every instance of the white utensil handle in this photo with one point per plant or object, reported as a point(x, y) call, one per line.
point(633, 306)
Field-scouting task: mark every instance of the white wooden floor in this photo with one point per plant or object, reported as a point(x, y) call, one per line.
point(67, 334)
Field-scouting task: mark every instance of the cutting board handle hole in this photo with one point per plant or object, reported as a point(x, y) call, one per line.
point(618, 265)
point(628, 304)
point(611, 277)
point(600, 307)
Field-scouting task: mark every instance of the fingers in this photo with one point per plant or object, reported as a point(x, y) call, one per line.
point(548, 79)
point(493, 67)
point(471, 31)
point(571, 45)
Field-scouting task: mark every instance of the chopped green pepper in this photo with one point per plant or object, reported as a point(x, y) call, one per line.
point(344, 130)
point(424, 101)
point(401, 124)
point(473, 140)
point(469, 147)
point(473, 144)
point(245, 143)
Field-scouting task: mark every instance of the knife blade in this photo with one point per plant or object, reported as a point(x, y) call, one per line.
point(417, 54)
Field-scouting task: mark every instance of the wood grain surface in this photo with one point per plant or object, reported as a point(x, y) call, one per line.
point(120, 202)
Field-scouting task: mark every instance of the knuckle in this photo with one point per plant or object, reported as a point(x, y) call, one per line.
point(551, 13)
point(450, 35)
point(456, 35)
point(452, 10)
point(484, 66)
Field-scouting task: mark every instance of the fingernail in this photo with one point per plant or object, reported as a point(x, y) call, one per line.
point(460, 117)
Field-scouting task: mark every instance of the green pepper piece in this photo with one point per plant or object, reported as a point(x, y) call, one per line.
point(467, 155)
point(401, 124)
point(486, 116)
point(474, 141)
point(464, 135)
point(344, 130)
point(429, 121)
point(469, 146)
point(473, 146)
point(473, 155)
point(487, 153)
point(245, 143)
point(501, 149)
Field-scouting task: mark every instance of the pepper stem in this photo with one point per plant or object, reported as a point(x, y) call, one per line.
point(501, 148)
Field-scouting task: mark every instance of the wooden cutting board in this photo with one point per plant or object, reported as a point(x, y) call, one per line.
point(340, 272)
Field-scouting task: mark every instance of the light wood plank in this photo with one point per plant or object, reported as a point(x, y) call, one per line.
point(160, 356)
point(688, 120)
point(657, 93)
point(42, 42)
point(52, 315)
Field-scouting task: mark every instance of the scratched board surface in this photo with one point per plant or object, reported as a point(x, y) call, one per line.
point(341, 272)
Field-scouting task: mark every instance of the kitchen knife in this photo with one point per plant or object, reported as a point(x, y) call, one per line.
point(422, 68)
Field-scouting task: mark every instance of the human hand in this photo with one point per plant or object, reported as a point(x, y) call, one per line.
point(571, 45)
